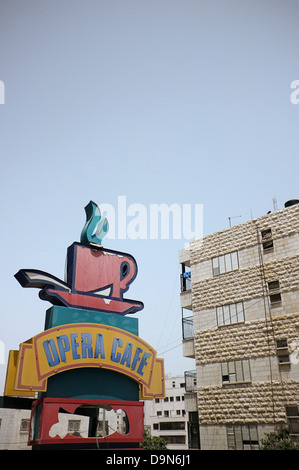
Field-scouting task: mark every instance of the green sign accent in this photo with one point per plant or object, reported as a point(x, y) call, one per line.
point(96, 227)
point(57, 316)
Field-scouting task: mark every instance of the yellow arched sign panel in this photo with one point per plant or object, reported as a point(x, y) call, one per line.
point(86, 345)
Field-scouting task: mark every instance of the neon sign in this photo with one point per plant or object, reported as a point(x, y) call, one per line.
point(87, 330)
point(87, 345)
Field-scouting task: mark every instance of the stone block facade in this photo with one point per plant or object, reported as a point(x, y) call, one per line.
point(245, 284)
point(249, 339)
point(247, 368)
point(283, 223)
point(261, 403)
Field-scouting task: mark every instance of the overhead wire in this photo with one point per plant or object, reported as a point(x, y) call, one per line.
point(174, 347)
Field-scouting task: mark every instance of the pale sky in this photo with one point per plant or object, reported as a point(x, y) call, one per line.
point(169, 101)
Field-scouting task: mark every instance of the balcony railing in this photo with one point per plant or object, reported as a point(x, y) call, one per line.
point(190, 381)
point(187, 327)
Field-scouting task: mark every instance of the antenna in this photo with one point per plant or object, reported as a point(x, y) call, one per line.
point(233, 217)
point(274, 203)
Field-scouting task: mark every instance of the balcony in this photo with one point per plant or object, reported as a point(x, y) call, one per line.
point(186, 281)
point(187, 327)
point(191, 391)
point(190, 381)
point(188, 337)
point(186, 293)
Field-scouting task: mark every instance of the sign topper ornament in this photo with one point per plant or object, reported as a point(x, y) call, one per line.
point(96, 278)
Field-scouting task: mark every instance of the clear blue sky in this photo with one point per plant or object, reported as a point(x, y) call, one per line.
point(169, 101)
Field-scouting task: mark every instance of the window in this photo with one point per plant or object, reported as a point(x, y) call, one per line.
point(282, 351)
point(228, 314)
point(25, 424)
point(172, 426)
point(282, 344)
point(178, 398)
point(166, 414)
point(235, 371)
point(284, 359)
point(156, 426)
point(242, 437)
point(274, 292)
point(74, 425)
point(267, 240)
point(292, 413)
point(174, 439)
point(159, 413)
point(157, 400)
point(103, 428)
point(165, 399)
point(225, 263)
point(171, 398)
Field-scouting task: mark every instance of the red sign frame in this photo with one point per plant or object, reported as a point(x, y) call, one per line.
point(48, 409)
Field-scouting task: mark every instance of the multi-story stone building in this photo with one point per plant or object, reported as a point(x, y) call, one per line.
point(242, 286)
point(166, 417)
point(14, 429)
